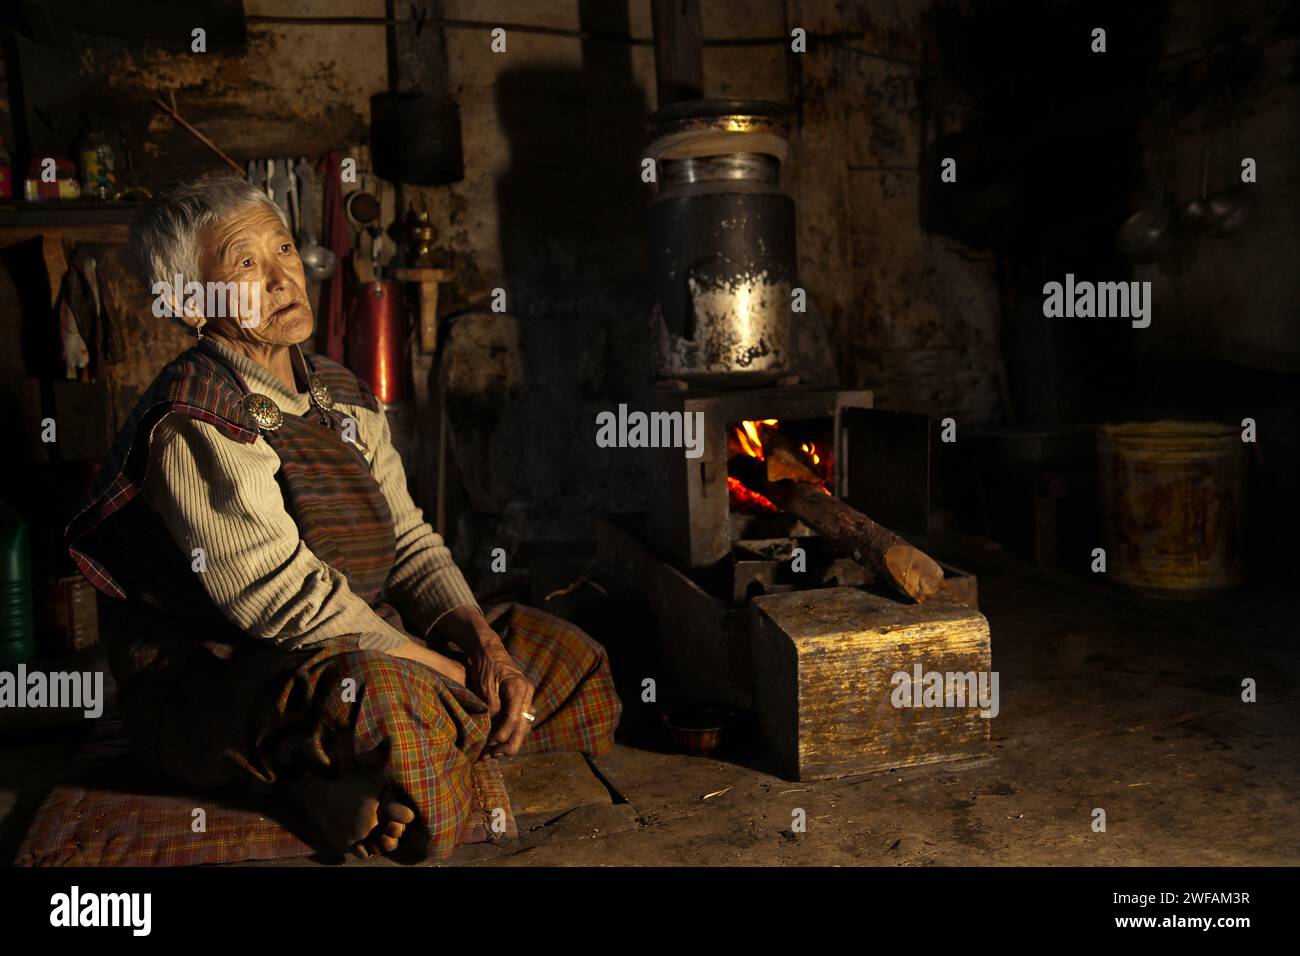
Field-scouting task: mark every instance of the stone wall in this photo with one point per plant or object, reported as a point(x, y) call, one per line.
point(551, 210)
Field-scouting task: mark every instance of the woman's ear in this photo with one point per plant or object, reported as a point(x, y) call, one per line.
point(182, 305)
point(192, 305)
point(192, 313)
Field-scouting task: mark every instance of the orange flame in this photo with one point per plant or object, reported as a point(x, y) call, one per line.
point(751, 443)
point(748, 437)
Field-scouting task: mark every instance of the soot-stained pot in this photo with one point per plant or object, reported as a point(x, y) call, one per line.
point(721, 243)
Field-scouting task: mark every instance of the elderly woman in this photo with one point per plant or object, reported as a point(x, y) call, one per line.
point(287, 617)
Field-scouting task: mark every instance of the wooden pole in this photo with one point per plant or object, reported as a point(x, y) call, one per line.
point(679, 50)
point(175, 114)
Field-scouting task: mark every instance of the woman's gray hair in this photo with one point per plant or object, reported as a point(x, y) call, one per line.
point(165, 235)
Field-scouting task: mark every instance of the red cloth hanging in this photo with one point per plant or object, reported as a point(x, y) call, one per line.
point(331, 327)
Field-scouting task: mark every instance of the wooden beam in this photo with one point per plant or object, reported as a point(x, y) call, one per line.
point(417, 49)
point(679, 50)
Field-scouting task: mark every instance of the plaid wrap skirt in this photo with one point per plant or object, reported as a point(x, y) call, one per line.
point(210, 719)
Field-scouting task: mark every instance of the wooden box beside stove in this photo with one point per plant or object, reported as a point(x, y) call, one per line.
point(823, 667)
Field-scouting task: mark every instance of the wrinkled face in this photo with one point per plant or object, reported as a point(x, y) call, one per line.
point(263, 288)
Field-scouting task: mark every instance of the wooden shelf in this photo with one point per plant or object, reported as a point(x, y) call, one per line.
point(67, 213)
point(62, 224)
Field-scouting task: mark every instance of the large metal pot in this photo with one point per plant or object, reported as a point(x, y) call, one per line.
point(722, 243)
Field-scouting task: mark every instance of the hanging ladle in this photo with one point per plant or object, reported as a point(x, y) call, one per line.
point(1230, 207)
point(1148, 234)
point(318, 262)
point(1198, 208)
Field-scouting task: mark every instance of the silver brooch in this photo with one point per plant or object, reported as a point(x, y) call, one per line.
point(264, 411)
point(320, 392)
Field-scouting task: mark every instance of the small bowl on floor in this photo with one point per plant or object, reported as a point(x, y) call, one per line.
point(700, 729)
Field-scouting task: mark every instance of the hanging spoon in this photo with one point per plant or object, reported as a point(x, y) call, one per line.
point(1231, 206)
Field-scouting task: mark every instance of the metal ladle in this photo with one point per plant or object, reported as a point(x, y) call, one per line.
point(1196, 210)
point(1231, 206)
point(318, 262)
point(1147, 234)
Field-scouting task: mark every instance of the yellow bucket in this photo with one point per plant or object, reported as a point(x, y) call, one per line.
point(1173, 505)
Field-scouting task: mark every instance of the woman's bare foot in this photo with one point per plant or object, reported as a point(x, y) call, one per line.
point(358, 812)
point(394, 818)
point(345, 810)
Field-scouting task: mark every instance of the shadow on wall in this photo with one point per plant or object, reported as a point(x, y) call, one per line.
point(574, 340)
point(571, 204)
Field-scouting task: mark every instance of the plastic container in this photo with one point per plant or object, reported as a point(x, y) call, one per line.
point(1174, 506)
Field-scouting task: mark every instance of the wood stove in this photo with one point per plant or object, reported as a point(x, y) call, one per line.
point(754, 610)
point(698, 513)
point(711, 545)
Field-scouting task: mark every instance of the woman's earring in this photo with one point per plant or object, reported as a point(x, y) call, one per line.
point(198, 327)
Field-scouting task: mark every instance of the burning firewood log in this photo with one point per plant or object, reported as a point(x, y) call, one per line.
point(792, 484)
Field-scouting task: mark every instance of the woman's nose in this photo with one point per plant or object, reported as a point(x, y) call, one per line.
point(275, 277)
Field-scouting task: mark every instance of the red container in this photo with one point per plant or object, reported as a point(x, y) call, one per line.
point(377, 334)
point(63, 186)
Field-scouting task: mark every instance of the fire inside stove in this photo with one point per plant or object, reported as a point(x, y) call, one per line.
point(748, 444)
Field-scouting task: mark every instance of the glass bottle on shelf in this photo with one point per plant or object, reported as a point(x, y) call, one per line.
point(97, 178)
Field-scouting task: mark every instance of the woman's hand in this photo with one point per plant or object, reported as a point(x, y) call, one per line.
point(492, 675)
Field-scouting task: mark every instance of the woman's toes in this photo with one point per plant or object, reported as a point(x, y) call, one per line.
point(345, 810)
point(394, 818)
point(398, 812)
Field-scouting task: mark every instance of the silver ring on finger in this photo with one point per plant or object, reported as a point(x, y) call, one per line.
point(528, 717)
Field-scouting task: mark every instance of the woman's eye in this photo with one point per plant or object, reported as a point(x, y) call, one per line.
point(286, 247)
point(246, 263)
